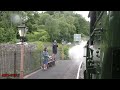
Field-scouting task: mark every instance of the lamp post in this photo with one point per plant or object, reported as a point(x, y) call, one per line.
point(22, 32)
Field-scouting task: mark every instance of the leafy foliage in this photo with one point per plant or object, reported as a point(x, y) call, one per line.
point(45, 26)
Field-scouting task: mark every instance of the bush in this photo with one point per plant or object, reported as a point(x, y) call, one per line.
point(30, 37)
point(13, 41)
point(64, 49)
point(40, 45)
point(39, 35)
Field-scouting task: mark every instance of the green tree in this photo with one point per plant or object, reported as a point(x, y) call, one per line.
point(52, 28)
point(45, 26)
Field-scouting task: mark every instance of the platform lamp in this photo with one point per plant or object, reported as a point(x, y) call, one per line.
point(22, 29)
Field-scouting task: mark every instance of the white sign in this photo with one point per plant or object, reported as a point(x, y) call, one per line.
point(77, 37)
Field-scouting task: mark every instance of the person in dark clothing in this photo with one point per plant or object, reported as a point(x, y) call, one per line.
point(54, 49)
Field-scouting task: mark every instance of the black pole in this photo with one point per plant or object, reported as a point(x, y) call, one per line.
point(15, 62)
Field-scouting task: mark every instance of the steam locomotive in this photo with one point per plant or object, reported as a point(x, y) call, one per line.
point(103, 47)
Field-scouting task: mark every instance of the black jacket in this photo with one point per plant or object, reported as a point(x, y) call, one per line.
point(54, 48)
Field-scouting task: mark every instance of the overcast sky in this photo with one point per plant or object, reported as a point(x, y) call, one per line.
point(83, 13)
